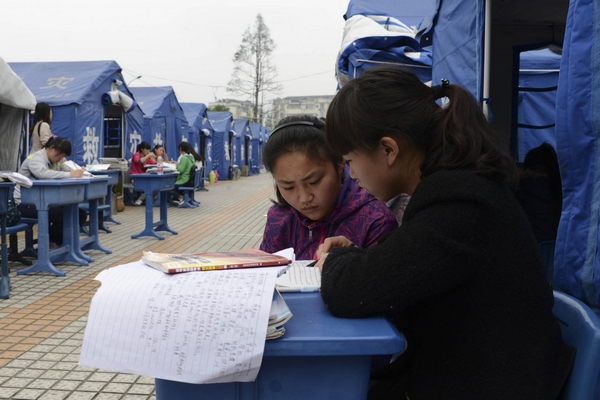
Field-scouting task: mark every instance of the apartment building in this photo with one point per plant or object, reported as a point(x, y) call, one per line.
point(294, 105)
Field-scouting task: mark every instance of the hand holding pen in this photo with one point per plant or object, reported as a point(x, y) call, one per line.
point(328, 244)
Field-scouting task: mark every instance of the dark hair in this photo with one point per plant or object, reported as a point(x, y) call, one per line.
point(392, 101)
point(42, 113)
point(156, 147)
point(543, 161)
point(142, 146)
point(188, 149)
point(59, 143)
point(305, 138)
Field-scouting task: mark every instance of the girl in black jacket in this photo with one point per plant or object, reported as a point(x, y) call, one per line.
point(462, 276)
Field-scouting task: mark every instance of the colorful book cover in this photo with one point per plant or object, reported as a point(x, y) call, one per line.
point(208, 261)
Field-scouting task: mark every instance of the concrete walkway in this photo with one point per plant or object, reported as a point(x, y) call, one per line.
point(43, 322)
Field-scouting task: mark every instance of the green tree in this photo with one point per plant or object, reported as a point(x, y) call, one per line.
point(253, 72)
point(218, 107)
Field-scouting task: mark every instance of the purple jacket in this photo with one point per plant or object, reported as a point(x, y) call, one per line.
point(357, 215)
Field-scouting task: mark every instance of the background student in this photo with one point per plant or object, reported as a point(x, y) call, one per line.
point(187, 161)
point(46, 164)
point(462, 276)
point(315, 197)
point(159, 151)
point(141, 157)
point(41, 130)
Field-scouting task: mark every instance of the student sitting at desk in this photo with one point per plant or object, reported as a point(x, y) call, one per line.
point(159, 151)
point(315, 197)
point(142, 156)
point(187, 160)
point(46, 164)
point(462, 276)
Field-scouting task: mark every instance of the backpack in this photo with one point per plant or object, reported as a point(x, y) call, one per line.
point(13, 215)
point(192, 181)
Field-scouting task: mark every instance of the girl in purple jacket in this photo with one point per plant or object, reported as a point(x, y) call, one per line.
point(316, 198)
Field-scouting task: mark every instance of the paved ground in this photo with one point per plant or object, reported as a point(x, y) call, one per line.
point(42, 324)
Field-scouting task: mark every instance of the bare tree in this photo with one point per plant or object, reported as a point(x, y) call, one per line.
point(253, 73)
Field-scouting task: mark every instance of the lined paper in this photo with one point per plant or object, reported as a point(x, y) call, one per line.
point(196, 327)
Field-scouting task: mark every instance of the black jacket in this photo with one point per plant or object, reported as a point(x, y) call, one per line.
point(463, 280)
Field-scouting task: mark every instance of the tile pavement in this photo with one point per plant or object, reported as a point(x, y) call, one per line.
point(43, 322)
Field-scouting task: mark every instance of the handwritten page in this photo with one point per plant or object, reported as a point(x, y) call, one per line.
point(207, 327)
point(299, 278)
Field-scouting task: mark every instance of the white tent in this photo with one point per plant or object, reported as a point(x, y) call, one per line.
point(15, 102)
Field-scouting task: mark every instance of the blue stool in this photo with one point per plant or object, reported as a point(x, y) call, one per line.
point(580, 328)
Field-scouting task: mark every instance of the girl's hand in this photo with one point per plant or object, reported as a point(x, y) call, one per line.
point(321, 261)
point(329, 243)
point(78, 173)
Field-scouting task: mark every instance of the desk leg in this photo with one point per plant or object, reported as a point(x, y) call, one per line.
point(162, 224)
point(71, 238)
point(108, 200)
point(42, 263)
point(149, 228)
point(91, 242)
point(5, 280)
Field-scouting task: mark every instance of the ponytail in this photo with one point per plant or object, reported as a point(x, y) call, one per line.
point(462, 138)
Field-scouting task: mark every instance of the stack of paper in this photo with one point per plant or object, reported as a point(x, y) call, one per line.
point(16, 178)
point(278, 316)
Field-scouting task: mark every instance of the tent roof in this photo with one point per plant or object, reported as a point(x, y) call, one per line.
point(60, 83)
point(539, 59)
point(158, 101)
point(195, 113)
point(409, 12)
point(13, 91)
point(220, 120)
point(255, 129)
point(240, 126)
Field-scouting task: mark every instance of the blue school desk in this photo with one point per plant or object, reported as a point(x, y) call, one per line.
point(113, 179)
point(96, 189)
point(5, 188)
point(319, 357)
point(55, 192)
point(149, 183)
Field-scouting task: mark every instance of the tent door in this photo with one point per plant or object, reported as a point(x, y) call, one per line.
point(113, 131)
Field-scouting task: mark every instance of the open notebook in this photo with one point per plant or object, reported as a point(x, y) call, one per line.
point(299, 278)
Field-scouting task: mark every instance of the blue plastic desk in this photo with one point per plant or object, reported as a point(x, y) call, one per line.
point(55, 192)
point(149, 183)
point(5, 279)
point(319, 357)
point(94, 191)
point(113, 179)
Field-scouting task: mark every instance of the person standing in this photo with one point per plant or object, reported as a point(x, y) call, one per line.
point(41, 130)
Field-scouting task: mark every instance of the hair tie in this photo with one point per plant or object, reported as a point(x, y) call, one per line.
point(438, 90)
point(291, 124)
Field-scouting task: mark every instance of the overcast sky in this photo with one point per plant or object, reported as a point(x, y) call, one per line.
point(185, 44)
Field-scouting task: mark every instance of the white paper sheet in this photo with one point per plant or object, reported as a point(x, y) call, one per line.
point(299, 278)
point(196, 327)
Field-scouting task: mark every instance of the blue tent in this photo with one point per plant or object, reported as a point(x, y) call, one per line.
point(240, 143)
point(16, 100)
point(577, 259)
point(164, 120)
point(383, 31)
point(222, 123)
point(254, 148)
point(538, 83)
point(261, 142)
point(91, 106)
point(202, 132)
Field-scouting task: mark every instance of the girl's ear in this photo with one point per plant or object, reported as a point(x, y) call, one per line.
point(390, 149)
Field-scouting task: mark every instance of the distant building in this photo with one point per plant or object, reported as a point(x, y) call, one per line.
point(239, 108)
point(294, 105)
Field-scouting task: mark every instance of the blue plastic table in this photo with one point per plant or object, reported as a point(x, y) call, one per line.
point(319, 357)
point(55, 192)
point(113, 179)
point(5, 279)
point(94, 191)
point(149, 183)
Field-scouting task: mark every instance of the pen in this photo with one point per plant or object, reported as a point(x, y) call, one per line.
point(312, 264)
